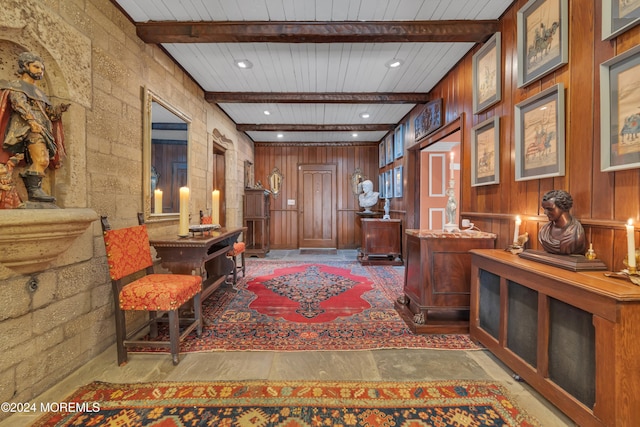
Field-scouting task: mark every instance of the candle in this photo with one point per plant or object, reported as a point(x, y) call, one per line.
point(451, 165)
point(184, 211)
point(631, 246)
point(516, 232)
point(215, 206)
point(157, 196)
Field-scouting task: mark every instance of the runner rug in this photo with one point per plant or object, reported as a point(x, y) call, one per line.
point(288, 306)
point(290, 404)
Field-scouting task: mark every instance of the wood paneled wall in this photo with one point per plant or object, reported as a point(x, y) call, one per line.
point(603, 201)
point(287, 157)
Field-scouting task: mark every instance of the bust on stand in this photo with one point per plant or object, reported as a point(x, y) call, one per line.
point(562, 238)
point(368, 198)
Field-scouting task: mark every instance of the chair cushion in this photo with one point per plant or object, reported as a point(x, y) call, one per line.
point(128, 250)
point(159, 292)
point(238, 248)
point(206, 220)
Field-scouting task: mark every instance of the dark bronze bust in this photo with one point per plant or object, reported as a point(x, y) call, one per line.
point(563, 234)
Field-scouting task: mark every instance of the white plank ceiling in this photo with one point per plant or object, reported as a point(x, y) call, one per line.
point(315, 67)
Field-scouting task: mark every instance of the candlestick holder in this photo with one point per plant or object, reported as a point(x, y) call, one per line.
point(518, 246)
point(629, 273)
point(450, 209)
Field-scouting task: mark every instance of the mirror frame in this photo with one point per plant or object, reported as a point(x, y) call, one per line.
point(148, 98)
point(275, 181)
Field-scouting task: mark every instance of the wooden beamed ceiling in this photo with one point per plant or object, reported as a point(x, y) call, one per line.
point(315, 128)
point(317, 98)
point(316, 32)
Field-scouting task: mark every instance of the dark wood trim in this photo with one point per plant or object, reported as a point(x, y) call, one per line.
point(315, 144)
point(316, 98)
point(314, 128)
point(316, 32)
point(620, 225)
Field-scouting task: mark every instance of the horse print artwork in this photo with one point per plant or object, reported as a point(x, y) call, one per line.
point(543, 36)
point(540, 136)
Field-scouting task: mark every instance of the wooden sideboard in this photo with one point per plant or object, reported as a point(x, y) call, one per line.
point(436, 279)
point(381, 242)
point(573, 336)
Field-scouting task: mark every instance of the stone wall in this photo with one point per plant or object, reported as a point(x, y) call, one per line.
point(95, 62)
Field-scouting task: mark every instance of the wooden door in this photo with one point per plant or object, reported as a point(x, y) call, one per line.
point(317, 195)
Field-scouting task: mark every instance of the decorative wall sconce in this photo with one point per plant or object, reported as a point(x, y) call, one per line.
point(356, 179)
point(275, 182)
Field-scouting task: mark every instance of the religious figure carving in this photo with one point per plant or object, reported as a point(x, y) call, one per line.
point(368, 197)
point(30, 125)
point(563, 234)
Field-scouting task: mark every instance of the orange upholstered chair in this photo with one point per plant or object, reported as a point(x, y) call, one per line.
point(237, 251)
point(128, 255)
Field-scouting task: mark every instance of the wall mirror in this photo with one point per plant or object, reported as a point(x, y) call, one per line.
point(275, 182)
point(165, 157)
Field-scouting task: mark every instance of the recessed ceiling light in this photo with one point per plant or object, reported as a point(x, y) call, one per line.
point(280, 135)
point(394, 63)
point(364, 115)
point(267, 112)
point(243, 63)
point(355, 135)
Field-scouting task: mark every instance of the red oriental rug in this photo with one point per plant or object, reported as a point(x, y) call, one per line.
point(290, 404)
point(288, 306)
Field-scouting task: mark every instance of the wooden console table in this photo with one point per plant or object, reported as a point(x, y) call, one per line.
point(381, 242)
point(436, 279)
point(207, 253)
point(573, 336)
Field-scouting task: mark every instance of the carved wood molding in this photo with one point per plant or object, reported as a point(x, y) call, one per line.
point(316, 98)
point(316, 31)
point(594, 223)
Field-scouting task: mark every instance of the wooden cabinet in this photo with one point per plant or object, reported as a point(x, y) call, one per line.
point(436, 279)
point(381, 242)
point(256, 220)
point(573, 336)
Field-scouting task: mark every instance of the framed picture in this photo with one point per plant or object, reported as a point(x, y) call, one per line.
point(382, 153)
point(388, 184)
point(397, 181)
point(388, 143)
point(485, 150)
point(619, 113)
point(540, 135)
point(618, 16)
point(381, 185)
point(487, 75)
point(543, 38)
point(429, 119)
point(398, 142)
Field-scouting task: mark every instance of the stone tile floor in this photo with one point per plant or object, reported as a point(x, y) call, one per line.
point(365, 365)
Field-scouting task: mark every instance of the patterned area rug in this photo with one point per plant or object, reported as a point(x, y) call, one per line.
point(291, 404)
point(288, 306)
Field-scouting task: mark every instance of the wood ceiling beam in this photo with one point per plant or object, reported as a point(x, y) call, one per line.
point(316, 98)
point(316, 32)
point(314, 128)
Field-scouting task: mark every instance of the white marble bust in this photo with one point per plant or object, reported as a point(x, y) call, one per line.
point(368, 197)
